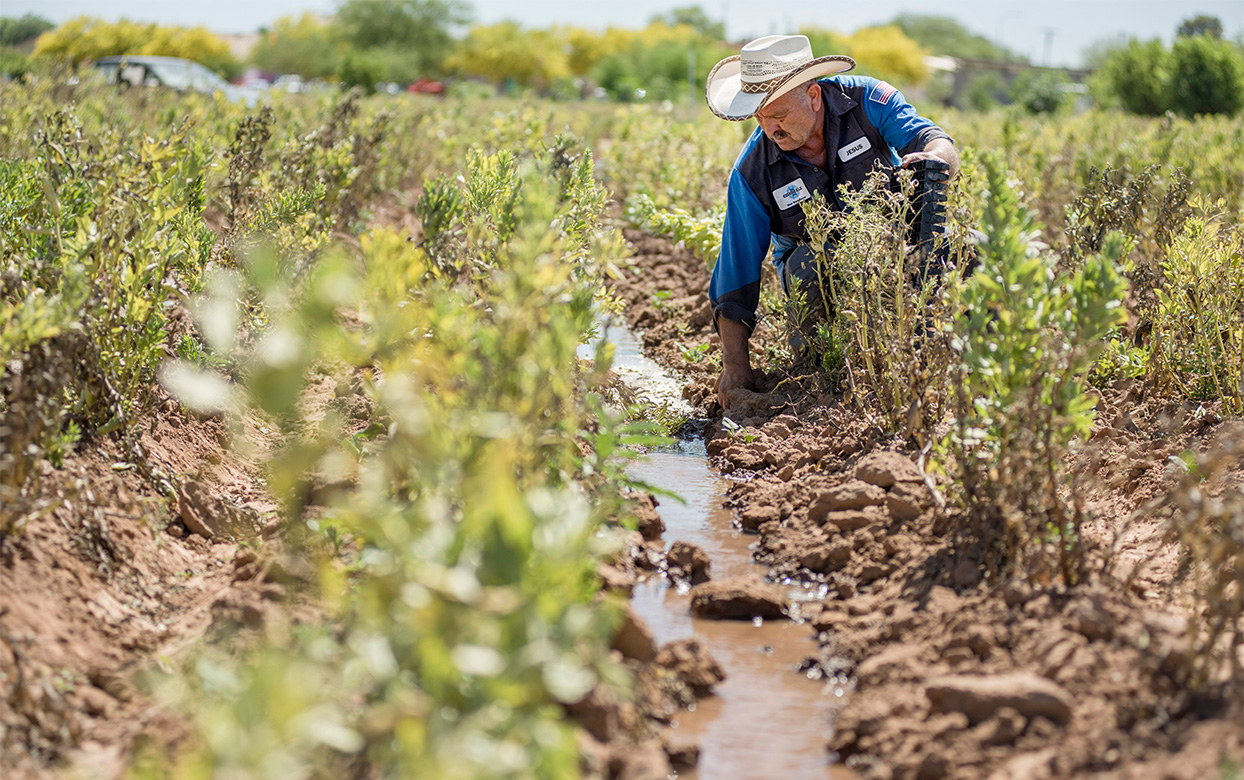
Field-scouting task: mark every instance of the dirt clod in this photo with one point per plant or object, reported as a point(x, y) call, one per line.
point(855, 494)
point(691, 664)
point(981, 697)
point(687, 563)
point(738, 598)
point(633, 639)
point(883, 469)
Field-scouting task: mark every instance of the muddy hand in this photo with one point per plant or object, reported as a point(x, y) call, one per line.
point(733, 377)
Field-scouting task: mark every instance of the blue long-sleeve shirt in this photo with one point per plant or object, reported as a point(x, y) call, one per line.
point(866, 121)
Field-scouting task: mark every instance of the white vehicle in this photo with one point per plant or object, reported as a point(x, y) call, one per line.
point(137, 70)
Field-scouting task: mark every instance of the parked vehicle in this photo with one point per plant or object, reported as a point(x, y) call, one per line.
point(426, 86)
point(136, 70)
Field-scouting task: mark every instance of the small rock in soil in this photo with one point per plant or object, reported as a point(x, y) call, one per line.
point(755, 515)
point(288, 569)
point(691, 664)
point(884, 469)
point(746, 403)
point(645, 761)
point(1002, 729)
point(1086, 616)
point(1016, 591)
point(715, 447)
point(738, 598)
point(849, 495)
point(907, 500)
point(687, 563)
point(597, 713)
point(615, 578)
point(194, 508)
point(745, 457)
point(1028, 766)
point(683, 755)
point(849, 520)
point(633, 639)
point(872, 571)
point(897, 662)
point(941, 600)
point(982, 697)
point(826, 558)
point(650, 524)
point(777, 430)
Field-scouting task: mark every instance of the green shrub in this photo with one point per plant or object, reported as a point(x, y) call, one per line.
point(1206, 76)
point(1136, 77)
point(1197, 343)
point(1040, 91)
point(1197, 75)
point(1030, 338)
point(461, 619)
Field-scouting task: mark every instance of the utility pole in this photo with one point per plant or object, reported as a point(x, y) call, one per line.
point(1049, 45)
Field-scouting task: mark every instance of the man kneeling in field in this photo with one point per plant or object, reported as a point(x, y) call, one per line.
point(815, 134)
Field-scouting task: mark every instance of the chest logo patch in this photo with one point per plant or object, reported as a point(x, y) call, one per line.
point(789, 194)
point(854, 149)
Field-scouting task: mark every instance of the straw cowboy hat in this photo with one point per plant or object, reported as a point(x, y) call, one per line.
point(768, 67)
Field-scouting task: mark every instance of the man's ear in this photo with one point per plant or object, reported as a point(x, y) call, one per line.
point(814, 95)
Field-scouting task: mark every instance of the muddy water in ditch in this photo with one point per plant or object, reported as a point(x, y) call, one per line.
point(766, 720)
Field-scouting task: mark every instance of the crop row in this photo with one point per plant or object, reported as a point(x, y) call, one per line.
point(461, 477)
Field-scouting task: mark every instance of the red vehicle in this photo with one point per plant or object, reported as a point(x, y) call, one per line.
point(426, 86)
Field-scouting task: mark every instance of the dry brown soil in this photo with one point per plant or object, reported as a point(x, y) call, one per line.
point(956, 674)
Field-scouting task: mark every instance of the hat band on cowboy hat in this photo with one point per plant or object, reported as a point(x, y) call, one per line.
point(767, 68)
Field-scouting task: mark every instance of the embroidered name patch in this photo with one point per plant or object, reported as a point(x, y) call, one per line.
point(789, 194)
point(881, 93)
point(854, 149)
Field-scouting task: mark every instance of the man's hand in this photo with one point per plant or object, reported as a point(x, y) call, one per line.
point(937, 149)
point(731, 378)
point(736, 363)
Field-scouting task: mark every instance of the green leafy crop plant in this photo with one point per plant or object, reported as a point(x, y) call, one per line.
point(472, 507)
point(1197, 343)
point(1025, 345)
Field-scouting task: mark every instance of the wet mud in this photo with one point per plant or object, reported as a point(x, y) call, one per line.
point(763, 719)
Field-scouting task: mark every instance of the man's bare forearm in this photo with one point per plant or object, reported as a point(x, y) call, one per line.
point(734, 336)
point(736, 364)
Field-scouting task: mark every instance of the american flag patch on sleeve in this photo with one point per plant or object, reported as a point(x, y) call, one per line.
point(881, 93)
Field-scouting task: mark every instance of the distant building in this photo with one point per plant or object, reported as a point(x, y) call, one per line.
point(240, 44)
point(959, 73)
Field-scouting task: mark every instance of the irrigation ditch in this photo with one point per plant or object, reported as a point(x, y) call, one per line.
point(763, 719)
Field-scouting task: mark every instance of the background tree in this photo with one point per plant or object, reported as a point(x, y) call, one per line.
point(585, 48)
point(1206, 76)
point(19, 30)
point(13, 62)
point(410, 35)
point(506, 53)
point(946, 36)
point(305, 45)
point(1200, 25)
point(695, 17)
point(1133, 77)
point(1199, 74)
point(654, 66)
point(87, 38)
point(880, 52)
point(1039, 91)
